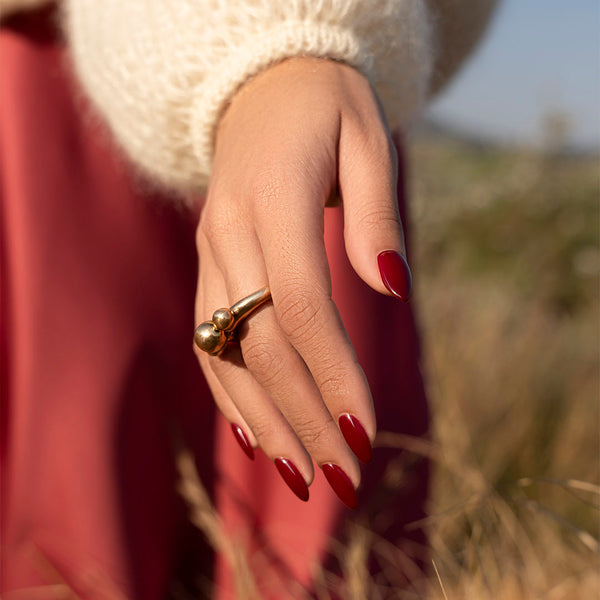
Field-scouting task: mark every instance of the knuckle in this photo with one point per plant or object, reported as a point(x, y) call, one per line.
point(377, 139)
point(377, 144)
point(219, 222)
point(262, 359)
point(314, 433)
point(299, 313)
point(266, 188)
point(374, 219)
point(333, 382)
point(262, 429)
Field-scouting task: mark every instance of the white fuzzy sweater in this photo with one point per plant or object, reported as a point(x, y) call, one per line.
point(161, 72)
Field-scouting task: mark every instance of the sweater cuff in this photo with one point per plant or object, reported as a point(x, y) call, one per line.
point(290, 39)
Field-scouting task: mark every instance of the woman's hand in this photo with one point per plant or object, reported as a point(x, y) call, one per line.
point(294, 136)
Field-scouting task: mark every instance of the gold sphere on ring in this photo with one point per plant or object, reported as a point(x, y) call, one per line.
point(223, 319)
point(209, 338)
point(213, 336)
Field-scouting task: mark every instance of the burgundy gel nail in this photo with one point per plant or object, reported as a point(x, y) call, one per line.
point(341, 484)
point(395, 274)
point(242, 440)
point(356, 437)
point(288, 470)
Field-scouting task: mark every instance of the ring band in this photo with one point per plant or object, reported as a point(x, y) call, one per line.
point(213, 336)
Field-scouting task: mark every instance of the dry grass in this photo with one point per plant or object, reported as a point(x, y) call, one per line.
point(508, 252)
point(507, 261)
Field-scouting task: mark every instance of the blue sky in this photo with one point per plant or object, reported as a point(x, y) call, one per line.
point(538, 56)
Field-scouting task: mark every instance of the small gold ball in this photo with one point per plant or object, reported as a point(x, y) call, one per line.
point(209, 338)
point(223, 319)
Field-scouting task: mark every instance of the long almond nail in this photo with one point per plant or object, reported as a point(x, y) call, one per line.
point(395, 274)
point(356, 437)
point(341, 484)
point(288, 470)
point(242, 440)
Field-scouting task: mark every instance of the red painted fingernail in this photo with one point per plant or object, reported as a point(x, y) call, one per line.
point(242, 440)
point(395, 274)
point(287, 469)
point(356, 437)
point(341, 484)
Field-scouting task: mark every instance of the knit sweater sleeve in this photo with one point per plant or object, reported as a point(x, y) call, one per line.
point(161, 72)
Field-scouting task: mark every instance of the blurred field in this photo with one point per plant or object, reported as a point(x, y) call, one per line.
point(507, 263)
point(508, 259)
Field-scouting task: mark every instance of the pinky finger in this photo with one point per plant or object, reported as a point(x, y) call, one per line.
point(240, 429)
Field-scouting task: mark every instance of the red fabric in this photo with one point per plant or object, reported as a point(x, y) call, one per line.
point(98, 279)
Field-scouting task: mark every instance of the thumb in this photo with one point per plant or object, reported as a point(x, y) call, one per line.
point(372, 228)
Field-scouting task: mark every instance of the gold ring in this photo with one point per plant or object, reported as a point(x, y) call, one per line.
point(213, 336)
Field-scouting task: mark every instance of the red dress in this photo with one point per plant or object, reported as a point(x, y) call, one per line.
point(98, 377)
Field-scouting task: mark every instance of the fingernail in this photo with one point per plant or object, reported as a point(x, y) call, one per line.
point(356, 437)
point(341, 484)
point(395, 274)
point(242, 440)
point(287, 469)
